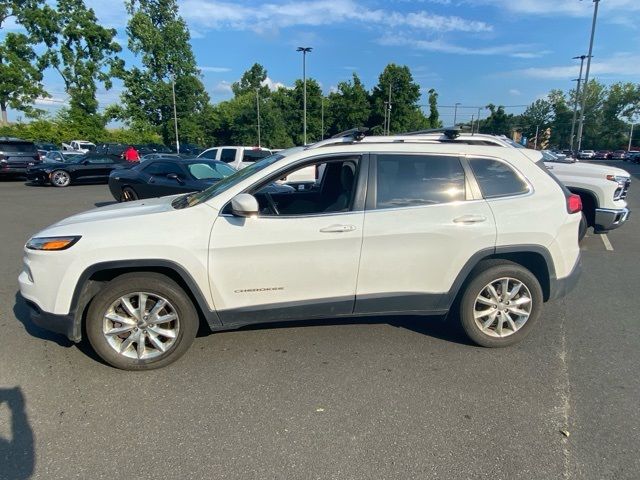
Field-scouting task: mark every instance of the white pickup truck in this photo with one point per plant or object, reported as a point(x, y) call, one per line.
point(82, 146)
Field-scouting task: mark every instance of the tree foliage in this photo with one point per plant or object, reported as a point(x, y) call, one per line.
point(160, 37)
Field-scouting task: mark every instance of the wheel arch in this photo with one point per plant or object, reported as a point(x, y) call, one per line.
point(535, 258)
point(93, 278)
point(589, 203)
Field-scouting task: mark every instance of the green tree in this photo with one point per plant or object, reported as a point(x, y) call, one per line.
point(406, 113)
point(536, 118)
point(562, 118)
point(498, 122)
point(84, 54)
point(160, 37)
point(348, 107)
point(251, 80)
point(20, 67)
point(434, 116)
point(619, 108)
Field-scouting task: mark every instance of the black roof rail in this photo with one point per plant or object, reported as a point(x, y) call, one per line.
point(449, 132)
point(357, 133)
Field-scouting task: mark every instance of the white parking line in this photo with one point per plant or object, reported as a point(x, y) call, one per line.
point(607, 243)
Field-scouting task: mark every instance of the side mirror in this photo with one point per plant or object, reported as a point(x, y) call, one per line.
point(244, 205)
point(174, 176)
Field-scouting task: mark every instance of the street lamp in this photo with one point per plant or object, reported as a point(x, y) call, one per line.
point(575, 103)
point(586, 75)
point(258, 112)
point(455, 113)
point(631, 136)
point(175, 112)
point(304, 51)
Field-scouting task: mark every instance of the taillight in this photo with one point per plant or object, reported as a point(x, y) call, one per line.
point(574, 203)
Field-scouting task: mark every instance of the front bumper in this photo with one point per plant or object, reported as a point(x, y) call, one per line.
point(559, 287)
point(64, 324)
point(609, 219)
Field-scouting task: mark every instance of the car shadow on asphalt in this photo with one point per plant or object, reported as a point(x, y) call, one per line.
point(22, 313)
point(17, 453)
point(440, 327)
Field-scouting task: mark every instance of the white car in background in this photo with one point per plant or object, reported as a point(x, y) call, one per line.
point(82, 146)
point(236, 157)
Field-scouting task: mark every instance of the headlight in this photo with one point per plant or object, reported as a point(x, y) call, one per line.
point(51, 243)
point(617, 178)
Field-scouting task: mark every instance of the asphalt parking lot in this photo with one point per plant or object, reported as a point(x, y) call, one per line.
point(383, 398)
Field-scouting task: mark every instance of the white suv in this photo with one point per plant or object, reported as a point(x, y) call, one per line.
point(389, 227)
point(237, 157)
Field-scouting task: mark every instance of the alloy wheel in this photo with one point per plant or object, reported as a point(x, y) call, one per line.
point(141, 325)
point(60, 178)
point(502, 307)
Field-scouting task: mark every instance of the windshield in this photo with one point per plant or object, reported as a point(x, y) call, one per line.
point(547, 156)
point(210, 171)
point(197, 198)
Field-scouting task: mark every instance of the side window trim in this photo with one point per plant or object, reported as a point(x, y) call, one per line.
point(530, 189)
point(372, 186)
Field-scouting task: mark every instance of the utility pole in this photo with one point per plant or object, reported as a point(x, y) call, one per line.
point(455, 113)
point(631, 136)
point(304, 51)
point(175, 111)
point(535, 143)
point(322, 115)
point(258, 111)
point(478, 127)
point(575, 103)
point(586, 75)
point(389, 110)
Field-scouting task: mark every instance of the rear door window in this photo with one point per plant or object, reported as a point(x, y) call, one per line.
point(497, 179)
point(254, 155)
point(228, 155)
point(17, 147)
point(414, 180)
point(210, 154)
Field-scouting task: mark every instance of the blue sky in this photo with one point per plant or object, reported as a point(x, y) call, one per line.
point(474, 52)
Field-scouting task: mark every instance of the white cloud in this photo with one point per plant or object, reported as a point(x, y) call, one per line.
point(273, 85)
point(445, 47)
point(620, 65)
point(218, 15)
point(555, 8)
point(515, 92)
point(214, 69)
point(222, 87)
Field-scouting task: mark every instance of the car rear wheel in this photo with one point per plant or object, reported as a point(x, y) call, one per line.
point(128, 195)
point(60, 178)
point(500, 304)
point(141, 321)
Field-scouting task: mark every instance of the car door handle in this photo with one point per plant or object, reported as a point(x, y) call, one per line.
point(468, 219)
point(338, 228)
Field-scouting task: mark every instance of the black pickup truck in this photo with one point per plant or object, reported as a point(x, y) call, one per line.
point(16, 156)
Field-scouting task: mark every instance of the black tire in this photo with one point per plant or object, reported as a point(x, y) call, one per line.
point(154, 284)
point(65, 178)
point(582, 229)
point(487, 272)
point(128, 195)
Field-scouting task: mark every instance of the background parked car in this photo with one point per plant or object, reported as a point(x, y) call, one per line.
point(154, 156)
point(166, 176)
point(619, 155)
point(86, 168)
point(586, 154)
point(44, 147)
point(111, 149)
point(602, 155)
point(237, 157)
point(56, 156)
point(16, 155)
point(83, 146)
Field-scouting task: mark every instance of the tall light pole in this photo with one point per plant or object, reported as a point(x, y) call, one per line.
point(631, 136)
point(389, 109)
point(586, 75)
point(258, 112)
point(478, 127)
point(575, 103)
point(304, 51)
point(455, 113)
point(175, 112)
point(322, 115)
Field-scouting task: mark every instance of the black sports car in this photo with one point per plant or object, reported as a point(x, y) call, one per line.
point(86, 168)
point(166, 176)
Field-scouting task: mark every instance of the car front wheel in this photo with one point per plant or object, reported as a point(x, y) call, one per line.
point(500, 304)
point(128, 195)
point(141, 321)
point(60, 178)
